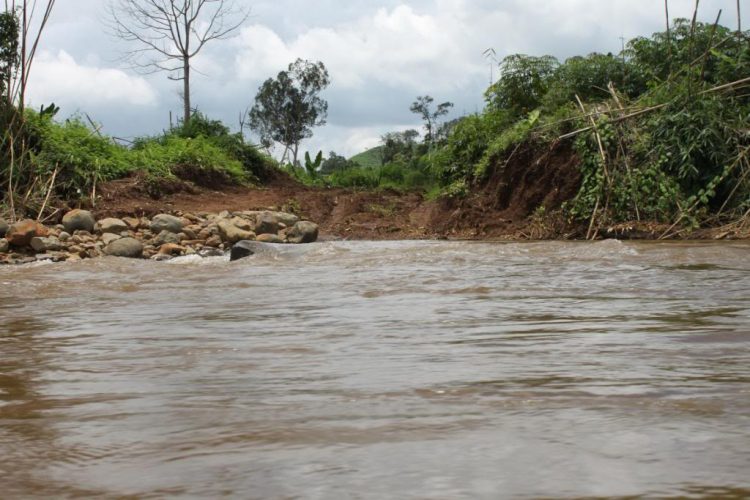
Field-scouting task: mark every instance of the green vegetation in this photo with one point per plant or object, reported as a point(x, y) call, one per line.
point(660, 129)
point(372, 158)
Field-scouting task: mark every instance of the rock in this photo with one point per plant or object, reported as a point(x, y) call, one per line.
point(245, 249)
point(165, 222)
point(303, 232)
point(282, 217)
point(21, 233)
point(110, 226)
point(4, 245)
point(161, 257)
point(109, 238)
point(132, 223)
point(171, 249)
point(3, 227)
point(270, 238)
point(64, 236)
point(191, 235)
point(190, 251)
point(166, 237)
point(232, 234)
point(266, 223)
point(242, 224)
point(79, 220)
point(42, 244)
point(214, 241)
point(125, 247)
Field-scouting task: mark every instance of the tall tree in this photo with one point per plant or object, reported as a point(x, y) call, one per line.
point(423, 107)
point(288, 108)
point(168, 34)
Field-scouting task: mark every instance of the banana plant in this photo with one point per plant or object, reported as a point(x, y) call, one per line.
point(313, 166)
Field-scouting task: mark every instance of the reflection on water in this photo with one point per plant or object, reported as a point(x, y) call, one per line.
point(414, 370)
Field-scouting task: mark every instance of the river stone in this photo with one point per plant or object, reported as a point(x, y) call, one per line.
point(109, 238)
point(125, 247)
point(171, 249)
point(303, 232)
point(270, 238)
point(132, 223)
point(21, 233)
point(266, 223)
point(245, 249)
point(42, 244)
point(282, 217)
point(242, 224)
point(3, 227)
point(214, 241)
point(79, 220)
point(166, 222)
point(4, 245)
point(110, 226)
point(166, 237)
point(210, 252)
point(232, 234)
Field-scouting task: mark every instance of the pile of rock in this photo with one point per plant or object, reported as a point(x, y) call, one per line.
point(81, 236)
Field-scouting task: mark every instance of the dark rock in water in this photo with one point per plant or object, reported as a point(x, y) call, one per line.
point(245, 249)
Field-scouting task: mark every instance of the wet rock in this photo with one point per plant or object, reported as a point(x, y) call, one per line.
point(166, 222)
point(161, 257)
point(79, 220)
point(266, 223)
point(125, 247)
point(210, 252)
point(190, 251)
point(303, 232)
point(171, 249)
point(232, 234)
point(21, 233)
point(166, 237)
point(109, 238)
point(110, 226)
point(270, 238)
point(43, 244)
point(4, 245)
point(4, 226)
point(245, 249)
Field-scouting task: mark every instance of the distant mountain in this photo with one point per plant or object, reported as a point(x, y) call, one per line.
point(368, 159)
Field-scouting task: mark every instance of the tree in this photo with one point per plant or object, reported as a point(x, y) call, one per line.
point(423, 107)
point(168, 34)
point(336, 163)
point(288, 108)
point(9, 46)
point(523, 82)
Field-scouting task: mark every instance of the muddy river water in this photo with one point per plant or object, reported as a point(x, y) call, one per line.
point(400, 370)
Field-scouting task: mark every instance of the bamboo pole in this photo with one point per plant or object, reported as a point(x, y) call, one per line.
point(669, 34)
point(49, 193)
point(739, 18)
point(710, 43)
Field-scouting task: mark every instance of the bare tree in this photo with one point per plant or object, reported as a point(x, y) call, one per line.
point(168, 34)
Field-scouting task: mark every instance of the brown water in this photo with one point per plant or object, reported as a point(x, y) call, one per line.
point(407, 370)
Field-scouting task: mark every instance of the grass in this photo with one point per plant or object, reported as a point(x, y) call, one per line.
point(369, 159)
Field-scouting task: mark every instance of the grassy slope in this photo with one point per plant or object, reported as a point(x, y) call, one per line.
point(368, 159)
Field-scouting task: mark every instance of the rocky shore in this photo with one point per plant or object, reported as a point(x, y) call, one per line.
point(165, 236)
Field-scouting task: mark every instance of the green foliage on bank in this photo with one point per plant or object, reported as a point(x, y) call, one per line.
point(681, 156)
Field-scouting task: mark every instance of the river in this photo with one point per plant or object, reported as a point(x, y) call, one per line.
point(384, 370)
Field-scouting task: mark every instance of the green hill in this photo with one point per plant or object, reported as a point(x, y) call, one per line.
point(368, 159)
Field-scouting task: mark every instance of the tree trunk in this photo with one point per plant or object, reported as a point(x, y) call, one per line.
point(186, 89)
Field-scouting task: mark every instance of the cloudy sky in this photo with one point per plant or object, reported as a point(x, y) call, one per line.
point(381, 55)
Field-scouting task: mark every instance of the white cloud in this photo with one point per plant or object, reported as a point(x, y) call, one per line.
point(60, 79)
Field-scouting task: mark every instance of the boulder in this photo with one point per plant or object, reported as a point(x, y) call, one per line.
point(21, 233)
point(132, 223)
point(303, 232)
point(3, 227)
point(109, 238)
point(281, 217)
point(166, 237)
point(266, 223)
point(110, 226)
point(242, 224)
point(245, 249)
point(4, 245)
point(166, 222)
point(270, 238)
point(125, 247)
point(42, 244)
point(232, 234)
point(79, 220)
point(214, 241)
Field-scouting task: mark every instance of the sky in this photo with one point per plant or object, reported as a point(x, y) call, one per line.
point(381, 55)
